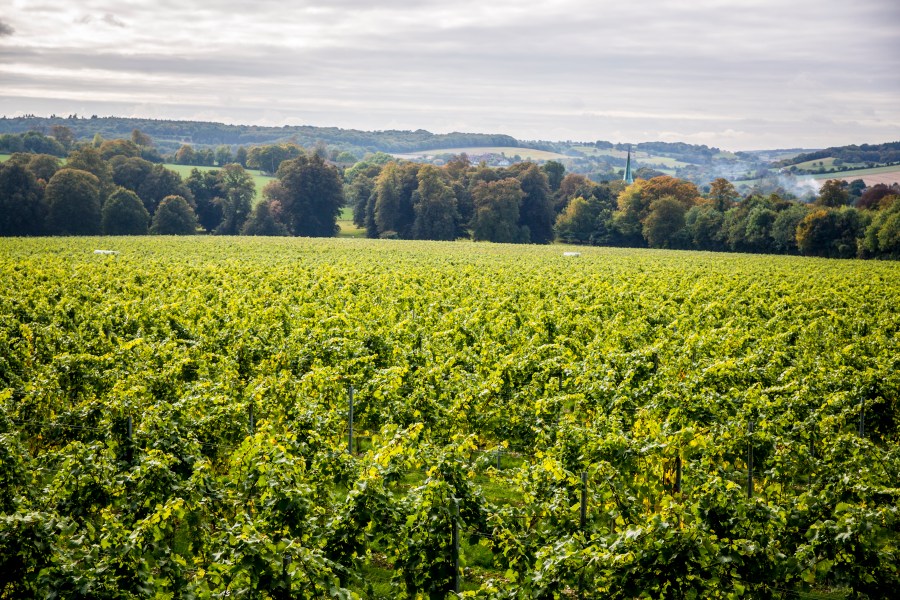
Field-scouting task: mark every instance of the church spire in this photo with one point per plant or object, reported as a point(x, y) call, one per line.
point(629, 178)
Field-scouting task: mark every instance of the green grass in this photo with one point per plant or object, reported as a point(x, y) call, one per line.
point(827, 163)
point(509, 151)
point(350, 230)
point(4, 157)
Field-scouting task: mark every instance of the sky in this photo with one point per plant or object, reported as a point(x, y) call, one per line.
point(735, 74)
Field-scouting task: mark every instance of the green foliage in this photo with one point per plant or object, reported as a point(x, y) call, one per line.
point(435, 207)
point(831, 232)
point(124, 214)
point(237, 190)
point(159, 183)
point(536, 213)
point(833, 194)
point(311, 196)
point(497, 213)
point(664, 222)
point(882, 237)
point(577, 223)
point(73, 199)
point(621, 367)
point(263, 222)
point(22, 207)
point(174, 217)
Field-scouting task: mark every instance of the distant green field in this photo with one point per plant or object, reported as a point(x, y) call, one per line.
point(510, 151)
point(827, 163)
point(4, 157)
point(858, 172)
point(259, 179)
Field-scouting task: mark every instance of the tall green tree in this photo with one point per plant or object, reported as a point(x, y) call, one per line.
point(536, 209)
point(831, 232)
point(723, 194)
point(22, 207)
point(497, 211)
point(435, 207)
point(882, 236)
point(394, 214)
point(174, 217)
point(64, 136)
point(269, 158)
point(262, 221)
point(312, 196)
point(833, 194)
point(141, 139)
point(207, 193)
point(185, 155)
point(73, 198)
point(119, 147)
point(664, 222)
point(238, 190)
point(784, 229)
point(703, 225)
point(555, 171)
point(578, 222)
point(124, 214)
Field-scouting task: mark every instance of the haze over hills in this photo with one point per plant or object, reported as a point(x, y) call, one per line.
point(598, 159)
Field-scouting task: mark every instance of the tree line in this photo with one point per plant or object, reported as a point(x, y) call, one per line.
point(532, 204)
point(170, 134)
point(111, 187)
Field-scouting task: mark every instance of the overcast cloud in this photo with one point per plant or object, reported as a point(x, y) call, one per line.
point(737, 74)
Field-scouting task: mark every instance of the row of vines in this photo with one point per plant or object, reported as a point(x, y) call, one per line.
point(174, 422)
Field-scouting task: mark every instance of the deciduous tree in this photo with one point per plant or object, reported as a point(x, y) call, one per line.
point(435, 207)
point(174, 217)
point(833, 194)
point(238, 190)
point(723, 194)
point(73, 198)
point(158, 184)
point(664, 222)
point(312, 196)
point(124, 214)
point(536, 208)
point(44, 166)
point(22, 207)
point(262, 221)
point(497, 211)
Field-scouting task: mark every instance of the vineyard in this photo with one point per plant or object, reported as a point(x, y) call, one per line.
point(299, 418)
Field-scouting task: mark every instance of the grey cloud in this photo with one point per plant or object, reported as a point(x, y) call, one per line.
point(111, 19)
point(568, 68)
point(6, 29)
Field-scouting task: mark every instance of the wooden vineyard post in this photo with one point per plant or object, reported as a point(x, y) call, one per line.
point(350, 420)
point(750, 459)
point(286, 576)
point(454, 543)
point(130, 453)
